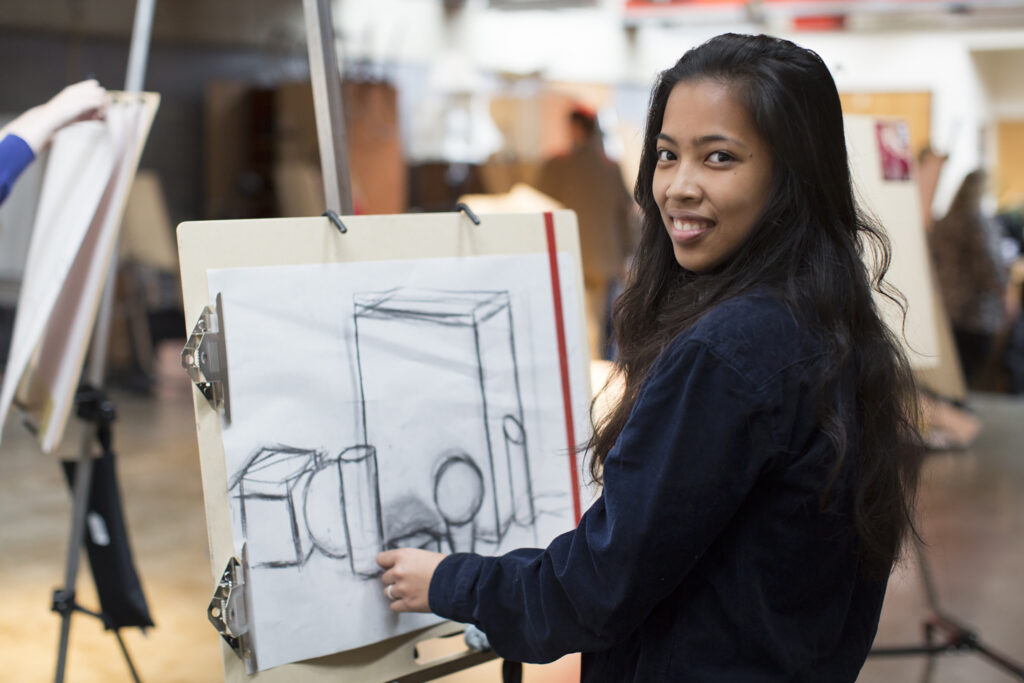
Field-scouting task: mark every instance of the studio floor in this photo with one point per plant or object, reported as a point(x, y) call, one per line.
point(971, 512)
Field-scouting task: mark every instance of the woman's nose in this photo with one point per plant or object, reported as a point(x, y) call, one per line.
point(684, 186)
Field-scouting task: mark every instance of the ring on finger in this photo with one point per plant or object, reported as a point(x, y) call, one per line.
point(388, 592)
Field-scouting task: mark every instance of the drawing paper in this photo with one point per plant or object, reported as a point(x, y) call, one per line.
point(90, 168)
point(389, 403)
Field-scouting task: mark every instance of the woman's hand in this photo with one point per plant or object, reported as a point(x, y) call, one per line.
point(407, 577)
point(77, 102)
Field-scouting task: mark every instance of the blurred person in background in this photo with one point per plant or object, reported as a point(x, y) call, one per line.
point(965, 247)
point(589, 183)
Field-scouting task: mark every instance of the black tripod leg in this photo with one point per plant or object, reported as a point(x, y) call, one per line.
point(511, 672)
point(960, 638)
point(127, 657)
point(1001, 660)
point(929, 642)
point(929, 669)
point(80, 506)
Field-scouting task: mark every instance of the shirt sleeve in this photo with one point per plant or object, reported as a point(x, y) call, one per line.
point(15, 155)
point(697, 441)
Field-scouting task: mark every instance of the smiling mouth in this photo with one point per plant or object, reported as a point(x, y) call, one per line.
point(687, 230)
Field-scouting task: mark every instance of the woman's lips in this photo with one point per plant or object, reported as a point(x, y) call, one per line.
point(686, 230)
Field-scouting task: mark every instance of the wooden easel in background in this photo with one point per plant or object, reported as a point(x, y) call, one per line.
point(93, 375)
point(397, 659)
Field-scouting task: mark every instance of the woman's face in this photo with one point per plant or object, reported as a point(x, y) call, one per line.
point(713, 174)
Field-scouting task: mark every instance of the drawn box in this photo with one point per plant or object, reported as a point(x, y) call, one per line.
point(439, 379)
point(269, 499)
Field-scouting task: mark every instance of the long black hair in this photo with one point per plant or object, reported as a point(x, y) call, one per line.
point(808, 245)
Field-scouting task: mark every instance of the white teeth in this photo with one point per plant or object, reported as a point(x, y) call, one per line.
point(682, 226)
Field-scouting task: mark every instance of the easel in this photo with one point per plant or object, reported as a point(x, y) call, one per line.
point(957, 638)
point(377, 249)
point(64, 598)
point(202, 357)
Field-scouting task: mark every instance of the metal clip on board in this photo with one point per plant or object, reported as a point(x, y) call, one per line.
point(228, 613)
point(205, 358)
point(334, 218)
point(464, 208)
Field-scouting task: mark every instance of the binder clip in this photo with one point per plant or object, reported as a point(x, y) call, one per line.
point(228, 611)
point(205, 358)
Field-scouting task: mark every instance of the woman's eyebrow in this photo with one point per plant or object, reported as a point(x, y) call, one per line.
point(703, 140)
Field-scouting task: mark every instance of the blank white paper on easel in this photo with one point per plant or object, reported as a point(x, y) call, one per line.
point(89, 171)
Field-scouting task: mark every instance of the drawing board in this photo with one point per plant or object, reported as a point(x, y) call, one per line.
point(85, 185)
point(397, 385)
point(882, 166)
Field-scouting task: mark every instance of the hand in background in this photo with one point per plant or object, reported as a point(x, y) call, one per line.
point(77, 102)
point(407, 577)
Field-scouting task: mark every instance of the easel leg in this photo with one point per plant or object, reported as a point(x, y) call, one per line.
point(127, 657)
point(511, 672)
point(64, 599)
point(958, 637)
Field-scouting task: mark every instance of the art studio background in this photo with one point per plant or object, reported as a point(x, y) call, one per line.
point(473, 100)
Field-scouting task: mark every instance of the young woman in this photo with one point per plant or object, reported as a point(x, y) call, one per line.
point(759, 469)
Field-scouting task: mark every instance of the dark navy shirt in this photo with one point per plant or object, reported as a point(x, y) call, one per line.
point(708, 556)
point(15, 155)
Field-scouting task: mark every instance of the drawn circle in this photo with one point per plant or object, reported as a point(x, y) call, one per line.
point(322, 509)
point(513, 430)
point(458, 489)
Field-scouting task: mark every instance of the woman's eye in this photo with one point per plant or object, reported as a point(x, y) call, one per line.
point(720, 157)
point(665, 155)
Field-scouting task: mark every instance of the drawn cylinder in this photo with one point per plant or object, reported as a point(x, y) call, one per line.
point(518, 470)
point(322, 509)
point(361, 495)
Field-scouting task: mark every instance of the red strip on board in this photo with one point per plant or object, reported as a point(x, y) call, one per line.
point(563, 360)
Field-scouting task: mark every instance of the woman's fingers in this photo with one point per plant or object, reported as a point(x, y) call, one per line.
point(407, 577)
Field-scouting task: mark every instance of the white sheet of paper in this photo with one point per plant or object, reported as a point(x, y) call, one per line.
point(444, 373)
point(90, 168)
point(64, 216)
